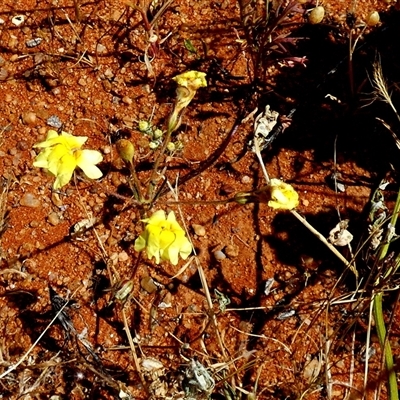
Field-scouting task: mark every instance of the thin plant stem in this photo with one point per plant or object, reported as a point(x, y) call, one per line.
point(77, 9)
point(382, 92)
point(137, 191)
point(324, 241)
point(378, 309)
point(25, 356)
point(302, 219)
point(153, 178)
point(133, 349)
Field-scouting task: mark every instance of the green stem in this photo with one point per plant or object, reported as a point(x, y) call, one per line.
point(378, 309)
point(137, 191)
point(154, 177)
point(385, 345)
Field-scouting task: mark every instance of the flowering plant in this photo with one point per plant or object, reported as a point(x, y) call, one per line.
point(188, 83)
point(282, 195)
point(163, 238)
point(62, 153)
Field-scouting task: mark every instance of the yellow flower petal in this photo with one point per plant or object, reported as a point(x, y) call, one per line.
point(191, 79)
point(140, 243)
point(61, 154)
point(86, 162)
point(282, 195)
point(163, 238)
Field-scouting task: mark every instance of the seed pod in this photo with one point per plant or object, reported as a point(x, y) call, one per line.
point(373, 18)
point(125, 150)
point(316, 15)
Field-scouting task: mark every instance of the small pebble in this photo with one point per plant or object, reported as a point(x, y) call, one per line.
point(33, 42)
point(219, 255)
point(232, 250)
point(147, 283)
point(108, 73)
point(199, 230)
point(246, 179)
point(26, 249)
point(22, 145)
point(29, 200)
point(3, 74)
point(56, 200)
point(18, 20)
point(127, 100)
point(123, 256)
point(54, 122)
point(101, 48)
point(29, 118)
point(53, 218)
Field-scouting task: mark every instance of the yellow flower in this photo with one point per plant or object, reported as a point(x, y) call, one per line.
point(282, 195)
point(61, 154)
point(163, 238)
point(192, 80)
point(188, 83)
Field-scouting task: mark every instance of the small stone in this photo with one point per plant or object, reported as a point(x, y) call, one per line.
point(18, 20)
point(127, 100)
point(29, 118)
point(123, 256)
point(29, 200)
point(100, 48)
point(199, 230)
point(108, 73)
point(3, 74)
point(166, 301)
point(26, 249)
point(53, 219)
point(147, 283)
point(54, 122)
point(82, 82)
point(56, 200)
point(219, 255)
point(232, 250)
point(22, 145)
point(246, 179)
point(33, 42)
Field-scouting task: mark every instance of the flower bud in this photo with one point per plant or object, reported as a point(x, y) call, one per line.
point(316, 15)
point(243, 197)
point(153, 145)
point(126, 150)
point(171, 146)
point(373, 18)
point(144, 126)
point(157, 134)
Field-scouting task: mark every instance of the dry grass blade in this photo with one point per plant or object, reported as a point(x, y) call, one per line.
point(380, 86)
point(25, 356)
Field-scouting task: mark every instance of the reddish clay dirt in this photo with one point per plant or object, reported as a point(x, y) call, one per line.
point(84, 67)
